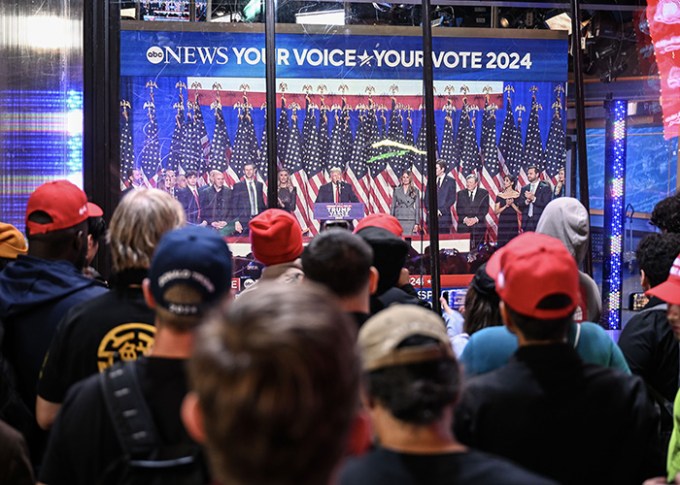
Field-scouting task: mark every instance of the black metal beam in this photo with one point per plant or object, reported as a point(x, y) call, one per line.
point(101, 75)
point(270, 73)
point(428, 89)
point(579, 97)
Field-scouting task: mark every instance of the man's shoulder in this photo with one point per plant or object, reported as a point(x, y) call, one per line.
point(645, 321)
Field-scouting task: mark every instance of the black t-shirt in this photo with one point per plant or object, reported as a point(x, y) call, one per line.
point(385, 467)
point(117, 325)
point(83, 442)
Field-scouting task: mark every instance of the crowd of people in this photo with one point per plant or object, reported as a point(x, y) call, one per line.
point(330, 369)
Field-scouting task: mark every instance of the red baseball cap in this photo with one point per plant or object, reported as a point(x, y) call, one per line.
point(385, 221)
point(669, 290)
point(532, 267)
point(64, 202)
point(275, 237)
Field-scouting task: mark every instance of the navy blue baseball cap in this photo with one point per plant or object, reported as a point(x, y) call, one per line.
point(195, 257)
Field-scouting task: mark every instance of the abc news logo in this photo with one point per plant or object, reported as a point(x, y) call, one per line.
point(155, 55)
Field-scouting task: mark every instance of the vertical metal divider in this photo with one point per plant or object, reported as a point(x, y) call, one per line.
point(579, 97)
point(101, 90)
point(270, 73)
point(428, 87)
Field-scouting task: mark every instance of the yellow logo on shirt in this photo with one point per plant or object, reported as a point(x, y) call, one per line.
point(128, 341)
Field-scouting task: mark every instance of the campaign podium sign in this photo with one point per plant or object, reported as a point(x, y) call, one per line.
point(341, 211)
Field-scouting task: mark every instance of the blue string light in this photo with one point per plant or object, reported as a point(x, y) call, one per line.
point(615, 173)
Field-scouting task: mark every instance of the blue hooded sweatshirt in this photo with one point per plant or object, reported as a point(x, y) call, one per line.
point(34, 295)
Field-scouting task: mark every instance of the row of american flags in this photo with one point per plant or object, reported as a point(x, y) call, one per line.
point(313, 137)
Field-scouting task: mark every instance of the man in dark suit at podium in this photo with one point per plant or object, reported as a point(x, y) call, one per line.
point(533, 199)
point(472, 205)
point(336, 191)
point(446, 196)
point(248, 199)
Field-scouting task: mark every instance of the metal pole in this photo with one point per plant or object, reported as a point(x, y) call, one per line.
point(579, 97)
point(192, 10)
point(208, 11)
point(428, 87)
point(270, 66)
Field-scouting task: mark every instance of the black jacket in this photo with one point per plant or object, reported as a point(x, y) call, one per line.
point(648, 343)
point(552, 413)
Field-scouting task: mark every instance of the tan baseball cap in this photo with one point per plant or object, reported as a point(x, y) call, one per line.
point(380, 336)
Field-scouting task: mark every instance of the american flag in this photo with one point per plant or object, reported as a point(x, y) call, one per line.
point(202, 135)
point(221, 145)
point(282, 133)
point(556, 149)
point(324, 140)
point(509, 150)
point(420, 161)
point(411, 159)
point(150, 160)
point(175, 155)
point(448, 150)
point(127, 155)
point(357, 172)
point(533, 145)
point(262, 174)
point(470, 161)
point(382, 175)
point(409, 139)
point(522, 179)
point(245, 147)
point(311, 160)
point(191, 145)
point(263, 158)
point(395, 133)
point(492, 176)
point(340, 141)
point(303, 211)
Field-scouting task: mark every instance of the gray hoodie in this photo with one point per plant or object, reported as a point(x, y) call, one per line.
point(567, 219)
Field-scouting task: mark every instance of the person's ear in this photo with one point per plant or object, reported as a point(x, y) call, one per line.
point(360, 435)
point(373, 278)
point(148, 297)
point(192, 417)
point(505, 316)
point(644, 281)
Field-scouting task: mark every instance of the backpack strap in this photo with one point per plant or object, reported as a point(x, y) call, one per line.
point(128, 410)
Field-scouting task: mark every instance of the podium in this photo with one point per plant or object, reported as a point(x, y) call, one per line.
point(347, 211)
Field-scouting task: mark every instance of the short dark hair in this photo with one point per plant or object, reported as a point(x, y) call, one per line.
point(191, 173)
point(338, 260)
point(534, 167)
point(666, 214)
point(655, 255)
point(277, 378)
point(96, 227)
point(416, 393)
point(130, 171)
point(544, 330)
point(442, 164)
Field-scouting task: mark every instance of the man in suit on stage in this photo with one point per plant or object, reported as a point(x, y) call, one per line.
point(336, 190)
point(189, 198)
point(472, 205)
point(214, 201)
point(248, 199)
point(533, 199)
point(446, 196)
